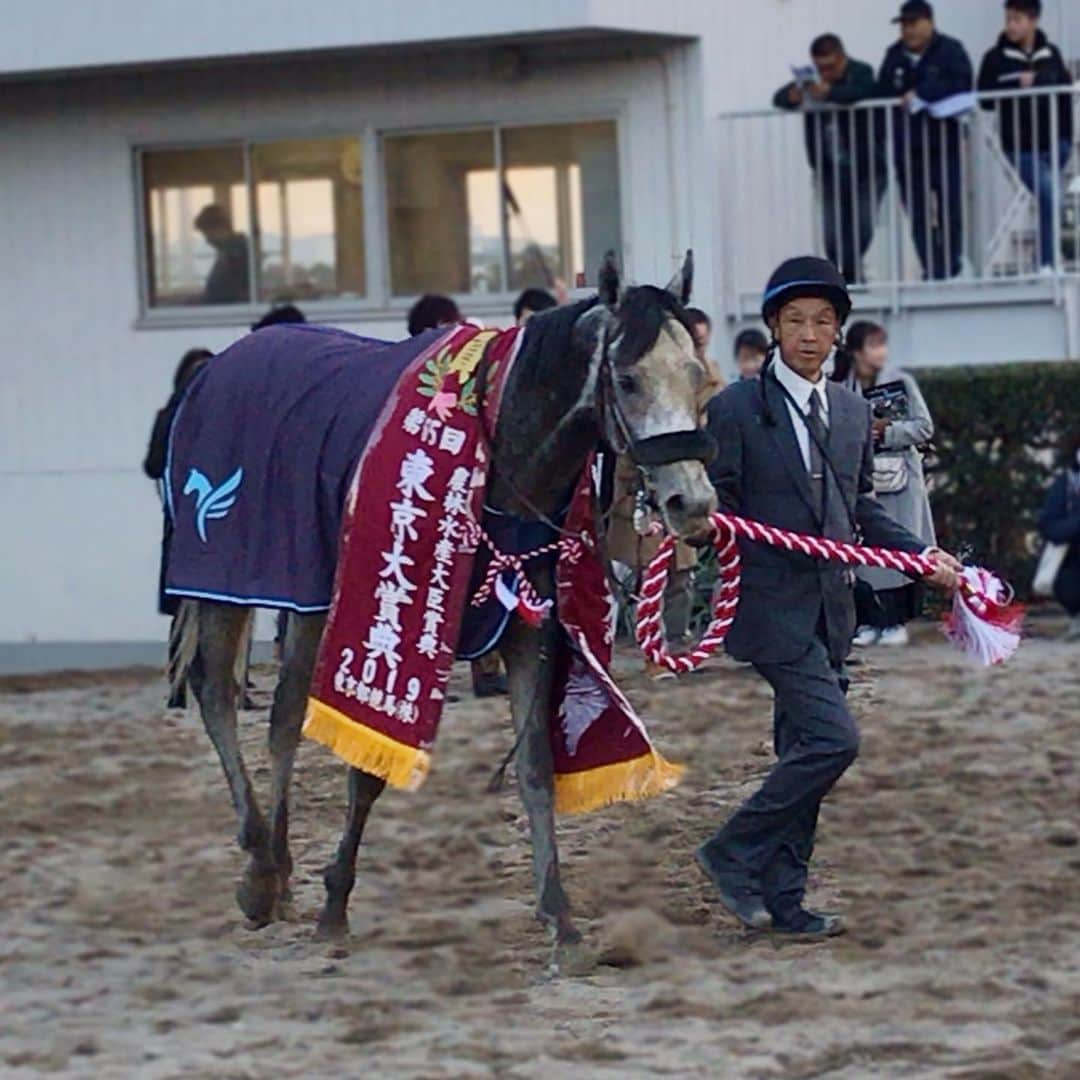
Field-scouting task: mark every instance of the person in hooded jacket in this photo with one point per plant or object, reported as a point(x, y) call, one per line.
point(1036, 131)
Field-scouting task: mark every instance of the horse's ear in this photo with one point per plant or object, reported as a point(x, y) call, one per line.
point(608, 280)
point(682, 284)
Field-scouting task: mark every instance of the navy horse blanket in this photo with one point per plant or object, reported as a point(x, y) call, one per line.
point(261, 452)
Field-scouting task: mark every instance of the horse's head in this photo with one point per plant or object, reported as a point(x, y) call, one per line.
point(651, 396)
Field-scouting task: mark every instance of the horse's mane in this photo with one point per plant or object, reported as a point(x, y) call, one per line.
point(641, 317)
point(548, 337)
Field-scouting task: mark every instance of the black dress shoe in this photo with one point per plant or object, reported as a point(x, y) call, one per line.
point(739, 897)
point(810, 924)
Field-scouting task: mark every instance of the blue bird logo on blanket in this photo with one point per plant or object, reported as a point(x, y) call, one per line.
point(210, 502)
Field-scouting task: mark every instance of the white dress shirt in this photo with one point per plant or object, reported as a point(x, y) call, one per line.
point(800, 390)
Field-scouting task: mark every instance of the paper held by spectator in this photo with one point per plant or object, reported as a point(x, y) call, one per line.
point(954, 105)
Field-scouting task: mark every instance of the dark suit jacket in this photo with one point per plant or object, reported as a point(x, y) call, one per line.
point(759, 473)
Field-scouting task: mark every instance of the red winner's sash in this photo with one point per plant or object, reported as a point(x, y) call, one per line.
point(404, 561)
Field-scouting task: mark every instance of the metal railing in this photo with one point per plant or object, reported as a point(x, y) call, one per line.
point(916, 209)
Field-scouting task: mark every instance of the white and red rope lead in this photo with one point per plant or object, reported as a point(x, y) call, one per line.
point(984, 622)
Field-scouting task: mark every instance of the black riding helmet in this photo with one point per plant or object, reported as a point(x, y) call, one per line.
point(806, 275)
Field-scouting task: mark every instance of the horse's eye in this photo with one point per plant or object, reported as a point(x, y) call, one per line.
point(628, 384)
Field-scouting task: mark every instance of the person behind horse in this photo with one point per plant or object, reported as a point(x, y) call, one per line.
point(751, 348)
point(531, 302)
point(796, 452)
point(428, 313)
point(886, 600)
point(190, 365)
point(1059, 523)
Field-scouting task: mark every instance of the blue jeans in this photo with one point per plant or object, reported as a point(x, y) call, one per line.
point(1037, 170)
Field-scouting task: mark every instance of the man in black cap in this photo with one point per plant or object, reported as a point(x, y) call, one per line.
point(930, 73)
point(842, 150)
point(796, 452)
point(1024, 58)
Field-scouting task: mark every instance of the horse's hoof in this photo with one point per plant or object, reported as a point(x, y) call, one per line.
point(574, 958)
point(331, 928)
point(257, 896)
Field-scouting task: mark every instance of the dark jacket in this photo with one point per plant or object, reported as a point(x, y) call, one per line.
point(154, 466)
point(942, 71)
point(154, 462)
point(227, 282)
point(759, 473)
point(1059, 523)
point(843, 133)
point(1026, 123)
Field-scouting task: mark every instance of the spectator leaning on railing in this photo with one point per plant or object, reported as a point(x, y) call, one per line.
point(841, 150)
point(1024, 58)
point(932, 76)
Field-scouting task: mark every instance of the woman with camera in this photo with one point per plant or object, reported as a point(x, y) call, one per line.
point(887, 600)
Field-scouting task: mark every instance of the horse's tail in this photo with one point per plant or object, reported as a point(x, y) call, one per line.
point(240, 664)
point(183, 643)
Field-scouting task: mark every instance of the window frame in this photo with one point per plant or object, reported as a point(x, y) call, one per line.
point(504, 300)
point(378, 303)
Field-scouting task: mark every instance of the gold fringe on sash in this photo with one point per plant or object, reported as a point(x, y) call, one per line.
point(399, 765)
point(625, 781)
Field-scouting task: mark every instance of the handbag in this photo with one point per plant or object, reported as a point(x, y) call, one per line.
point(891, 474)
point(1053, 555)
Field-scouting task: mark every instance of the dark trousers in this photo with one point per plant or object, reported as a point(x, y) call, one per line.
point(771, 836)
point(888, 607)
point(933, 195)
point(848, 214)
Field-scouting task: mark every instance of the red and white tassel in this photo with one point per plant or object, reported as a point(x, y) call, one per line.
point(984, 622)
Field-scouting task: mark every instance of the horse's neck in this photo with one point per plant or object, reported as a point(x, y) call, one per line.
point(546, 433)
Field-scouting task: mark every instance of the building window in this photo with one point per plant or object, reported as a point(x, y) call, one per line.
point(251, 223)
point(500, 209)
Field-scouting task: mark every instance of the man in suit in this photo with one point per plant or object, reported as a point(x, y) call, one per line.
point(796, 451)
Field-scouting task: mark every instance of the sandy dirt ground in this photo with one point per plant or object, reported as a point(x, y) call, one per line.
point(951, 845)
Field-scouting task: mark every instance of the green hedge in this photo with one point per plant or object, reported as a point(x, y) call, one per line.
point(998, 432)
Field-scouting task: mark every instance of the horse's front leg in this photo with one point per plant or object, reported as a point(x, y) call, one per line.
point(299, 650)
point(340, 875)
point(529, 655)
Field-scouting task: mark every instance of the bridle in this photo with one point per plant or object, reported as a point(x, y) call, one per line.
point(646, 454)
point(695, 444)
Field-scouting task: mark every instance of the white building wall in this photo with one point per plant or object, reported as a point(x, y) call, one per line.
point(81, 383)
point(746, 42)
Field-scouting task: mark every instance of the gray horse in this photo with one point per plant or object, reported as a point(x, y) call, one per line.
point(616, 369)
